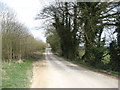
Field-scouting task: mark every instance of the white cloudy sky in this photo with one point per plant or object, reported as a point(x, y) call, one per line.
point(26, 11)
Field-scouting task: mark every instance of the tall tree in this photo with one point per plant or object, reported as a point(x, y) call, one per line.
point(94, 18)
point(114, 48)
point(66, 27)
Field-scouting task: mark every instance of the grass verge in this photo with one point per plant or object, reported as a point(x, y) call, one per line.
point(17, 75)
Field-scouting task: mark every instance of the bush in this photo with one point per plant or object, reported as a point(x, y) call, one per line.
point(114, 57)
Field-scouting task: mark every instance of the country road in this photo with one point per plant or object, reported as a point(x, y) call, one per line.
point(55, 72)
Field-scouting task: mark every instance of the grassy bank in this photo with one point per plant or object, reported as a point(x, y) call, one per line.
point(17, 75)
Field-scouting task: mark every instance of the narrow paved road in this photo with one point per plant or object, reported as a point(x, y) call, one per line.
point(57, 73)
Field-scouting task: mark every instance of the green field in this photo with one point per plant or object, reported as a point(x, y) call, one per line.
point(17, 75)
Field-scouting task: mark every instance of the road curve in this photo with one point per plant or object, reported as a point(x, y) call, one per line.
point(57, 73)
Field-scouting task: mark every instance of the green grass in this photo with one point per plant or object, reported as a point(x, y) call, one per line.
point(113, 72)
point(17, 75)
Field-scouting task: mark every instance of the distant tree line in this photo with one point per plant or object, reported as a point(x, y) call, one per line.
point(75, 23)
point(17, 42)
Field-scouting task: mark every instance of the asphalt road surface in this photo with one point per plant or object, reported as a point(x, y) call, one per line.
point(54, 72)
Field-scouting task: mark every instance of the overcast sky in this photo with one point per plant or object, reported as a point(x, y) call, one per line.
point(26, 11)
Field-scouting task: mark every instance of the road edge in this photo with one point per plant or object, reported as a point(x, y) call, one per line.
point(95, 70)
